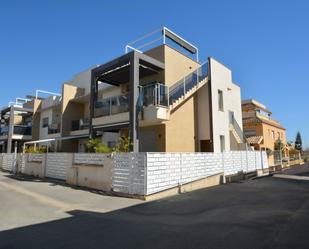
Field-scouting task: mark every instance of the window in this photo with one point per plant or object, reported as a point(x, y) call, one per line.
point(278, 135)
point(220, 100)
point(273, 135)
point(222, 143)
point(250, 132)
point(45, 122)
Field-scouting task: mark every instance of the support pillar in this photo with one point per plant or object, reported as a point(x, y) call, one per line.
point(11, 130)
point(134, 94)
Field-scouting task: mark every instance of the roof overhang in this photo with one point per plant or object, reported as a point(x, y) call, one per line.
point(56, 139)
point(117, 71)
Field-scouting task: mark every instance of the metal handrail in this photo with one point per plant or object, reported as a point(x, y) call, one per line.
point(239, 131)
point(181, 87)
point(157, 97)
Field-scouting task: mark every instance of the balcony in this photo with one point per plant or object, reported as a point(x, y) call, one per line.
point(80, 124)
point(4, 131)
point(111, 106)
point(54, 128)
point(80, 127)
point(22, 130)
point(155, 94)
point(155, 103)
point(113, 110)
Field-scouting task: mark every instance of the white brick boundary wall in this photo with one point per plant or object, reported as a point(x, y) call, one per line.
point(168, 170)
point(35, 157)
point(143, 173)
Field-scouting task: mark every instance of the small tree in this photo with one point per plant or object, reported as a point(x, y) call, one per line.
point(279, 145)
point(298, 142)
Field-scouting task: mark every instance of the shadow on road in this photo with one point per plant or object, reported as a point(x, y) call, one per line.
point(54, 182)
point(265, 213)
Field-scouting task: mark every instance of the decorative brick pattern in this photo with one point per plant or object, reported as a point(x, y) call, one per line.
point(90, 158)
point(129, 173)
point(57, 164)
point(8, 161)
point(35, 157)
point(167, 170)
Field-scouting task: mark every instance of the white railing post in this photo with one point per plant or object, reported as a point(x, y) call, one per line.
point(145, 173)
point(184, 86)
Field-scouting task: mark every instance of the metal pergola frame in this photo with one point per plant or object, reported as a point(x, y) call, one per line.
point(135, 60)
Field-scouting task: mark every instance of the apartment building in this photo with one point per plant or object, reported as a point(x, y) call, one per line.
point(163, 98)
point(15, 125)
point(260, 128)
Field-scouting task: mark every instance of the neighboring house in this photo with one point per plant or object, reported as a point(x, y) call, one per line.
point(15, 125)
point(261, 130)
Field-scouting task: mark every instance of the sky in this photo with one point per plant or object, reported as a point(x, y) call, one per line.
point(264, 43)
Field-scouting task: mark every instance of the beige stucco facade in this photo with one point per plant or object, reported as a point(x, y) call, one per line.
point(195, 124)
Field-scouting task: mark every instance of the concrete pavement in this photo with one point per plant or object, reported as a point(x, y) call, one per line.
point(28, 201)
point(262, 213)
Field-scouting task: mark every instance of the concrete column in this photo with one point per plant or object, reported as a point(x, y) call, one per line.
point(134, 83)
point(11, 130)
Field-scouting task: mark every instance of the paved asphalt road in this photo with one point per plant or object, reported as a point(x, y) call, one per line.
point(263, 213)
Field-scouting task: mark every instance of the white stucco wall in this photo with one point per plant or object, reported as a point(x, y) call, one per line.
point(221, 79)
point(54, 116)
point(48, 113)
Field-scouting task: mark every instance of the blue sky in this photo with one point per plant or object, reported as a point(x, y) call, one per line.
point(265, 43)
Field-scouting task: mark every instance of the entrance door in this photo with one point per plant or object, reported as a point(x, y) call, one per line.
point(205, 146)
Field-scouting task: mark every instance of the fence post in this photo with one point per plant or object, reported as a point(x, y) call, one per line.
point(44, 164)
point(223, 168)
point(145, 173)
point(180, 180)
point(247, 161)
point(280, 154)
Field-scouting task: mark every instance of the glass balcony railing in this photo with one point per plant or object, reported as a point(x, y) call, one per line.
point(22, 130)
point(54, 128)
point(112, 106)
point(4, 131)
point(155, 94)
point(80, 124)
point(184, 85)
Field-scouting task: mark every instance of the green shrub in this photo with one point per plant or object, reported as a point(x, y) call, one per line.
point(32, 149)
point(123, 145)
point(96, 145)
